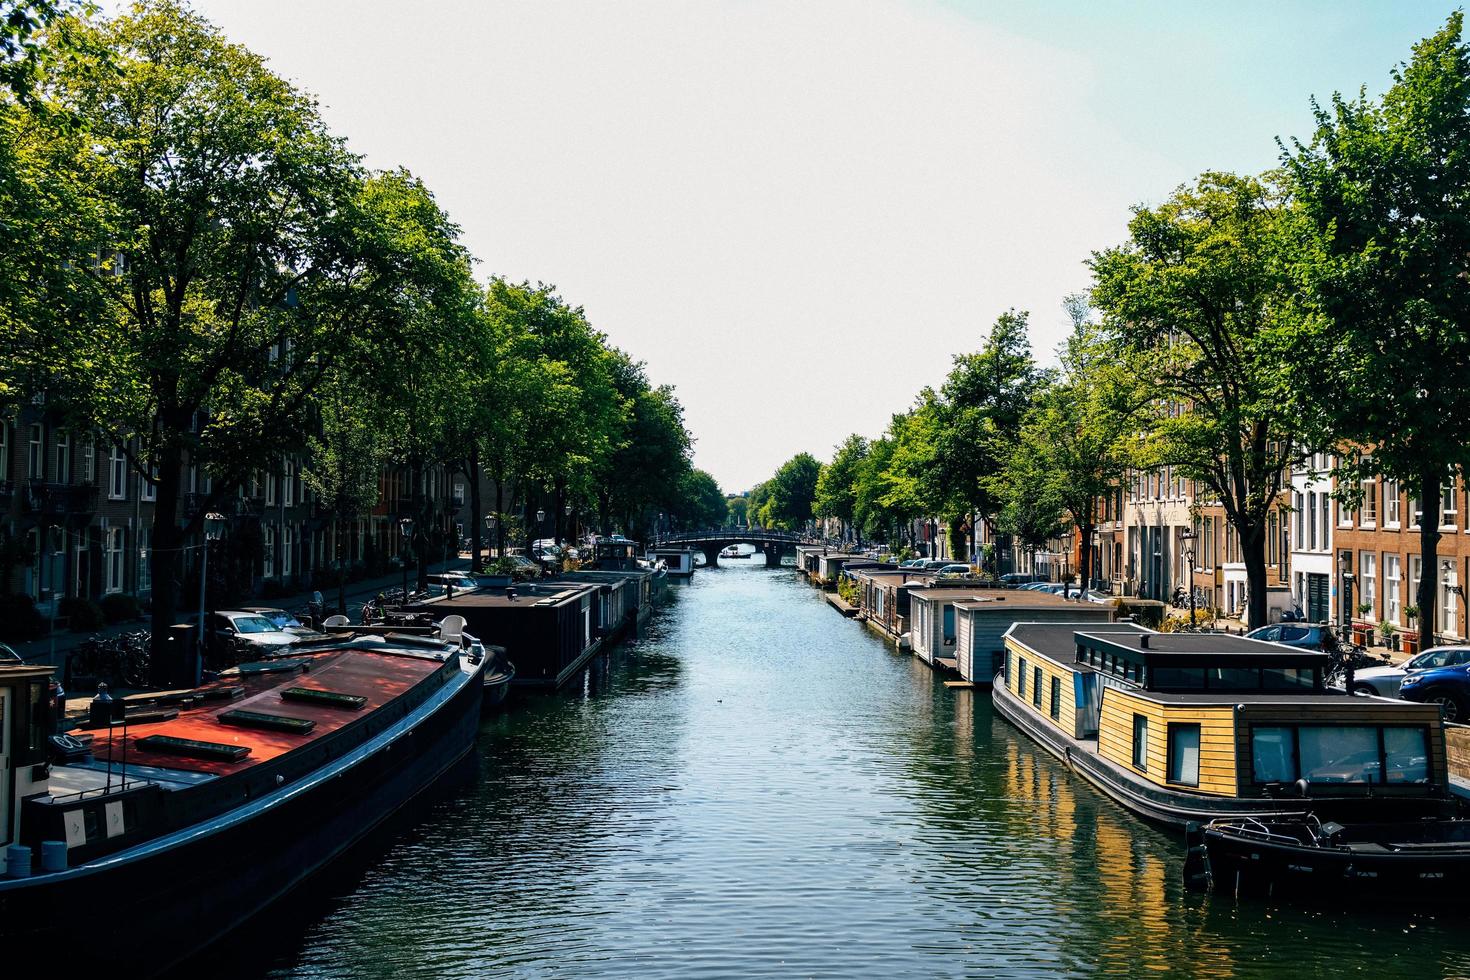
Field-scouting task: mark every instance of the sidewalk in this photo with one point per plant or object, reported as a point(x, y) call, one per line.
point(42, 651)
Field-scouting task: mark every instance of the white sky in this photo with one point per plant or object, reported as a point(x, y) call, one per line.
point(794, 213)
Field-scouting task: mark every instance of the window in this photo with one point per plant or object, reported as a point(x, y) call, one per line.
point(1344, 516)
point(288, 484)
point(4, 450)
point(1449, 614)
point(1056, 697)
point(36, 453)
point(145, 559)
point(112, 559)
point(270, 489)
point(1324, 503)
point(63, 456)
point(89, 460)
point(1036, 686)
point(268, 551)
point(1368, 576)
point(1368, 515)
point(1184, 754)
point(1390, 503)
point(1339, 754)
point(117, 474)
point(286, 542)
point(1416, 575)
point(1021, 679)
point(1392, 599)
point(1448, 508)
point(1312, 520)
point(1416, 511)
point(148, 485)
point(1140, 743)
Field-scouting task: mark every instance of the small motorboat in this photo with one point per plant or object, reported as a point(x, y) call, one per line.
point(1427, 858)
point(498, 676)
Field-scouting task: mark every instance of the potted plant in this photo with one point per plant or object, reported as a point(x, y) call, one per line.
point(1362, 631)
point(498, 574)
point(1411, 636)
point(1387, 634)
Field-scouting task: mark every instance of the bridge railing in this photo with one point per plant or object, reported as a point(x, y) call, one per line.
point(729, 534)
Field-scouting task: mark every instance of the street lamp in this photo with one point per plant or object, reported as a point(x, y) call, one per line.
point(214, 527)
point(1188, 538)
point(405, 529)
point(1344, 569)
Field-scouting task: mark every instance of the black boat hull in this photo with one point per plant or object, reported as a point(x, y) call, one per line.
point(146, 910)
point(1249, 867)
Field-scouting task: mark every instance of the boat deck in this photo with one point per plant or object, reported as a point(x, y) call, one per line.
point(378, 677)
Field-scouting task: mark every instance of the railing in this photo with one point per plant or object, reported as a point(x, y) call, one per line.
point(744, 534)
point(59, 499)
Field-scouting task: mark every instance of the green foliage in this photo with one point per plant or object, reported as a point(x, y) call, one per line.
point(1194, 301)
point(836, 490)
point(119, 607)
point(1383, 196)
point(81, 615)
point(700, 503)
point(785, 500)
point(735, 512)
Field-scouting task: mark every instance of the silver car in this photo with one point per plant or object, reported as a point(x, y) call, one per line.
point(1385, 681)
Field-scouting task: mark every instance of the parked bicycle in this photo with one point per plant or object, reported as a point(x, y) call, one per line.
point(120, 661)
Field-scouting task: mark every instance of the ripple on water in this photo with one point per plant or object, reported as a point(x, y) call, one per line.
point(761, 788)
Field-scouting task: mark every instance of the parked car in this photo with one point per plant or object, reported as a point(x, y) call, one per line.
point(1014, 579)
point(239, 626)
point(460, 580)
point(1448, 687)
point(1307, 637)
point(1102, 598)
point(911, 563)
point(282, 619)
point(956, 570)
point(1386, 681)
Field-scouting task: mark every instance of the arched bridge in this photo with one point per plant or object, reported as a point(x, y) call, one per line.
point(774, 544)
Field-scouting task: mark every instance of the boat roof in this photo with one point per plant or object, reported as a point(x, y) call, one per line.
point(1188, 649)
point(375, 670)
point(1007, 600)
point(547, 593)
point(1057, 642)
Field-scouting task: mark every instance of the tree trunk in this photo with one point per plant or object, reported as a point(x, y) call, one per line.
point(1084, 557)
point(419, 510)
point(473, 465)
point(1428, 598)
point(165, 555)
point(1253, 550)
point(341, 578)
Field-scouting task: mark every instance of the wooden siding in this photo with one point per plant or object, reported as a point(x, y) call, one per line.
point(1217, 739)
point(1069, 718)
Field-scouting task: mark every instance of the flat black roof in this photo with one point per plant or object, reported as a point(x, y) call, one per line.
point(1198, 649)
point(1058, 641)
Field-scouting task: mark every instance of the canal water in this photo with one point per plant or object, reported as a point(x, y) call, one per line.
point(760, 788)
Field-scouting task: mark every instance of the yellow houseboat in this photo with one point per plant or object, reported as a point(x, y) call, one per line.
point(1184, 727)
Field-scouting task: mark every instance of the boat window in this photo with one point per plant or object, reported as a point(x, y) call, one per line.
point(1056, 697)
point(1178, 678)
point(1273, 754)
point(1339, 754)
point(1184, 754)
point(1140, 743)
point(1021, 679)
point(1406, 751)
point(1287, 678)
point(1234, 678)
point(1036, 686)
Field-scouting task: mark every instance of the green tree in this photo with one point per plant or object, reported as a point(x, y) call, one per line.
point(836, 493)
point(1384, 193)
point(700, 503)
point(1193, 299)
point(1076, 443)
point(229, 210)
point(736, 514)
point(786, 498)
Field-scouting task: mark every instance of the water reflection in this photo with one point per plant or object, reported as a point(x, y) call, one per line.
point(761, 788)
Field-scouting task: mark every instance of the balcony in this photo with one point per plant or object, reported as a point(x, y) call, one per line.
point(60, 499)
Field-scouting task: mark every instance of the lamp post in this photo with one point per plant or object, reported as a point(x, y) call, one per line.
point(1188, 538)
point(490, 527)
point(214, 526)
point(405, 530)
point(1344, 566)
point(571, 535)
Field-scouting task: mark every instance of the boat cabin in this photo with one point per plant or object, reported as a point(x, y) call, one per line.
point(549, 629)
point(884, 596)
point(678, 561)
point(982, 619)
point(617, 599)
point(615, 554)
point(830, 565)
point(1222, 715)
point(26, 722)
point(807, 558)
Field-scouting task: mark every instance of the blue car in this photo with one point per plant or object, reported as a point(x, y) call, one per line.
point(1448, 687)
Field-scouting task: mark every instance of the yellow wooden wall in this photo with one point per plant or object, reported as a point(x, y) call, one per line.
point(1068, 701)
point(1217, 772)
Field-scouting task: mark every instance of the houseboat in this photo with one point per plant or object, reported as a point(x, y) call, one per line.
point(679, 562)
point(192, 813)
point(831, 564)
point(981, 622)
point(617, 600)
point(1182, 727)
point(807, 557)
point(884, 598)
point(548, 629)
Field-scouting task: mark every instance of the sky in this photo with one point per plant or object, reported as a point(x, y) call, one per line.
point(797, 213)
